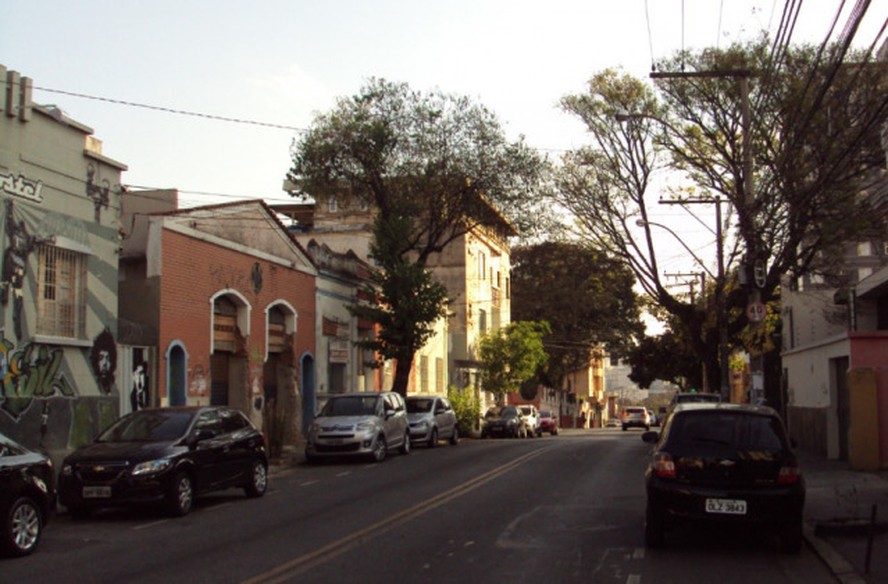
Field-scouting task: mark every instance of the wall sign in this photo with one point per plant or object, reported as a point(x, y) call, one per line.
point(19, 186)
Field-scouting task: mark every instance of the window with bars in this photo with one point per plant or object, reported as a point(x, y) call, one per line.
point(61, 292)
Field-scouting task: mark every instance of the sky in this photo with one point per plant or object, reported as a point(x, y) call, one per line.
point(281, 62)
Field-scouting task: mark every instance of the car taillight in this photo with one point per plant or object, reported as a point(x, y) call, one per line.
point(788, 475)
point(664, 467)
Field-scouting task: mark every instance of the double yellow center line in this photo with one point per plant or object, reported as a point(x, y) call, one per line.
point(300, 565)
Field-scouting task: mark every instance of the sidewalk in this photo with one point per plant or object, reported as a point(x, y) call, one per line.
point(838, 508)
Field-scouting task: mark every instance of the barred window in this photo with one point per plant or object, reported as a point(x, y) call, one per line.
point(61, 292)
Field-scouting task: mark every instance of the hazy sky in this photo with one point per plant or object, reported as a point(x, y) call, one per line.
point(281, 61)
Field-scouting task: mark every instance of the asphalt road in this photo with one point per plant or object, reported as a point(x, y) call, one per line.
point(567, 508)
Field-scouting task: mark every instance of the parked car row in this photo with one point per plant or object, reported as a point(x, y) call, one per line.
point(518, 421)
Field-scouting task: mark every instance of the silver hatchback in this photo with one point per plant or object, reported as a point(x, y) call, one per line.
point(364, 423)
point(431, 419)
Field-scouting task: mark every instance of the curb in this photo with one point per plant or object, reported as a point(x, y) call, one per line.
point(838, 565)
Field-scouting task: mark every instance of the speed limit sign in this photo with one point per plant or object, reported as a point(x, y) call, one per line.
point(755, 311)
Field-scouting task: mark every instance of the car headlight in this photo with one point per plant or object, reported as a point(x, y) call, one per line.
point(364, 427)
point(313, 427)
point(152, 466)
point(422, 425)
point(67, 470)
point(40, 484)
point(512, 421)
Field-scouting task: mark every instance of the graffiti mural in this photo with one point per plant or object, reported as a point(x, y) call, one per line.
point(139, 396)
point(103, 358)
point(99, 194)
point(29, 373)
point(15, 263)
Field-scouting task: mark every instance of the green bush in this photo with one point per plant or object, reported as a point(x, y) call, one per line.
point(467, 408)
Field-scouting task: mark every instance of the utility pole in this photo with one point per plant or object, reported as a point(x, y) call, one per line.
point(754, 307)
point(721, 316)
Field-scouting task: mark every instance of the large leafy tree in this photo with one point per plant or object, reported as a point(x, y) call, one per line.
point(586, 297)
point(432, 167)
point(511, 355)
point(813, 137)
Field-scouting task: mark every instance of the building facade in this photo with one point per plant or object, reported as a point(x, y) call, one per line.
point(58, 294)
point(231, 295)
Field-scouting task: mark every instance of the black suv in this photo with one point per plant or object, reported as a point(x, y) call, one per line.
point(724, 463)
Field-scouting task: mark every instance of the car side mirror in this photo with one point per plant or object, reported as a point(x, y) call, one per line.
point(389, 414)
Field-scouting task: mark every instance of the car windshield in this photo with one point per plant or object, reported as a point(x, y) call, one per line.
point(351, 405)
point(419, 406)
point(148, 426)
point(743, 432)
point(545, 414)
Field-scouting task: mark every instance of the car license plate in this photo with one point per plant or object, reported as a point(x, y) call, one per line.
point(728, 506)
point(96, 492)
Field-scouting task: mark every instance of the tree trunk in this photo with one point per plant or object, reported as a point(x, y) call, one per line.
point(402, 374)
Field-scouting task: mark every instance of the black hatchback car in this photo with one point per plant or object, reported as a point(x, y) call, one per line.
point(727, 464)
point(27, 497)
point(165, 456)
point(505, 421)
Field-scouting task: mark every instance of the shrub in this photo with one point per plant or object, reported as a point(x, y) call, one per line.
point(467, 408)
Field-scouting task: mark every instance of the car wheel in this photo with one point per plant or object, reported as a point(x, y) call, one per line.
point(624, 427)
point(405, 446)
point(654, 530)
point(379, 449)
point(181, 495)
point(311, 458)
point(258, 480)
point(22, 528)
point(454, 438)
point(791, 537)
point(433, 439)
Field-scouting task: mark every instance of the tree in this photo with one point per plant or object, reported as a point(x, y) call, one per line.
point(586, 297)
point(510, 356)
point(815, 116)
point(432, 167)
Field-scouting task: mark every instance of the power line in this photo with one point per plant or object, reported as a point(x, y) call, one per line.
point(171, 110)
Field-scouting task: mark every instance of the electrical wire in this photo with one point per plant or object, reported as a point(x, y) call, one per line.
point(171, 110)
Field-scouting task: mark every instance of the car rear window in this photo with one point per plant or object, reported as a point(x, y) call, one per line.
point(635, 410)
point(740, 431)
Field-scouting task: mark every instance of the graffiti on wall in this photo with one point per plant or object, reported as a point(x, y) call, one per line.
point(103, 358)
point(15, 263)
point(99, 194)
point(139, 396)
point(28, 373)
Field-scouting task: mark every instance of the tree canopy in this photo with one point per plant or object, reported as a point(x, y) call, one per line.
point(812, 136)
point(432, 167)
point(510, 356)
point(586, 297)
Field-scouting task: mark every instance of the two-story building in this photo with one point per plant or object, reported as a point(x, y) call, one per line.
point(58, 290)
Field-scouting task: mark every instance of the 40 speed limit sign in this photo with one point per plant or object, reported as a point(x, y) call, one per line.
point(755, 311)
